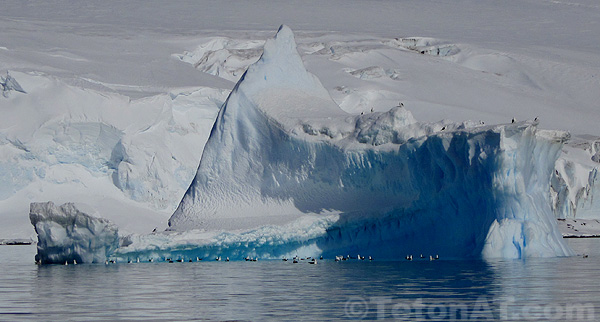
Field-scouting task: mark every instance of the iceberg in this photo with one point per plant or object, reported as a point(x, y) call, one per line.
point(67, 235)
point(285, 171)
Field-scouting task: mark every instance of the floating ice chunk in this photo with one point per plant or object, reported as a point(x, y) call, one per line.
point(66, 234)
point(397, 186)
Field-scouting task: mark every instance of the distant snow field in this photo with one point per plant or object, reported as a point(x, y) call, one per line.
point(112, 110)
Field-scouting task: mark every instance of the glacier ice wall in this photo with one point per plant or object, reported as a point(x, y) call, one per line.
point(66, 234)
point(575, 184)
point(285, 170)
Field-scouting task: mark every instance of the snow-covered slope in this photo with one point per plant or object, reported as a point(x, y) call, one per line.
point(282, 151)
point(65, 143)
point(8, 84)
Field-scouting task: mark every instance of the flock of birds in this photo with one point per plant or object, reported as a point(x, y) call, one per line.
point(295, 259)
point(513, 120)
point(348, 257)
point(431, 257)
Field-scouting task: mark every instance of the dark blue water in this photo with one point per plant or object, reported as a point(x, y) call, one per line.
point(554, 289)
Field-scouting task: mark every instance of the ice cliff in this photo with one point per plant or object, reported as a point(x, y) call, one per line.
point(65, 234)
point(575, 184)
point(285, 170)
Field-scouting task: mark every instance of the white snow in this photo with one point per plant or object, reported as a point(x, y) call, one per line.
point(91, 147)
point(8, 84)
point(224, 57)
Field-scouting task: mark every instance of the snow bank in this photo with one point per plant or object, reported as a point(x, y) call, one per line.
point(283, 158)
point(100, 148)
point(66, 234)
point(425, 46)
point(148, 147)
point(224, 57)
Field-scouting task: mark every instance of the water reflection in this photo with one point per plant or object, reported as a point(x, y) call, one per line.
point(416, 290)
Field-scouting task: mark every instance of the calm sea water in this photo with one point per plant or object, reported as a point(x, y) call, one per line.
point(539, 289)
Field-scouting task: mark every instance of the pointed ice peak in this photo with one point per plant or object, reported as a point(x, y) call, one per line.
point(283, 43)
point(281, 67)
